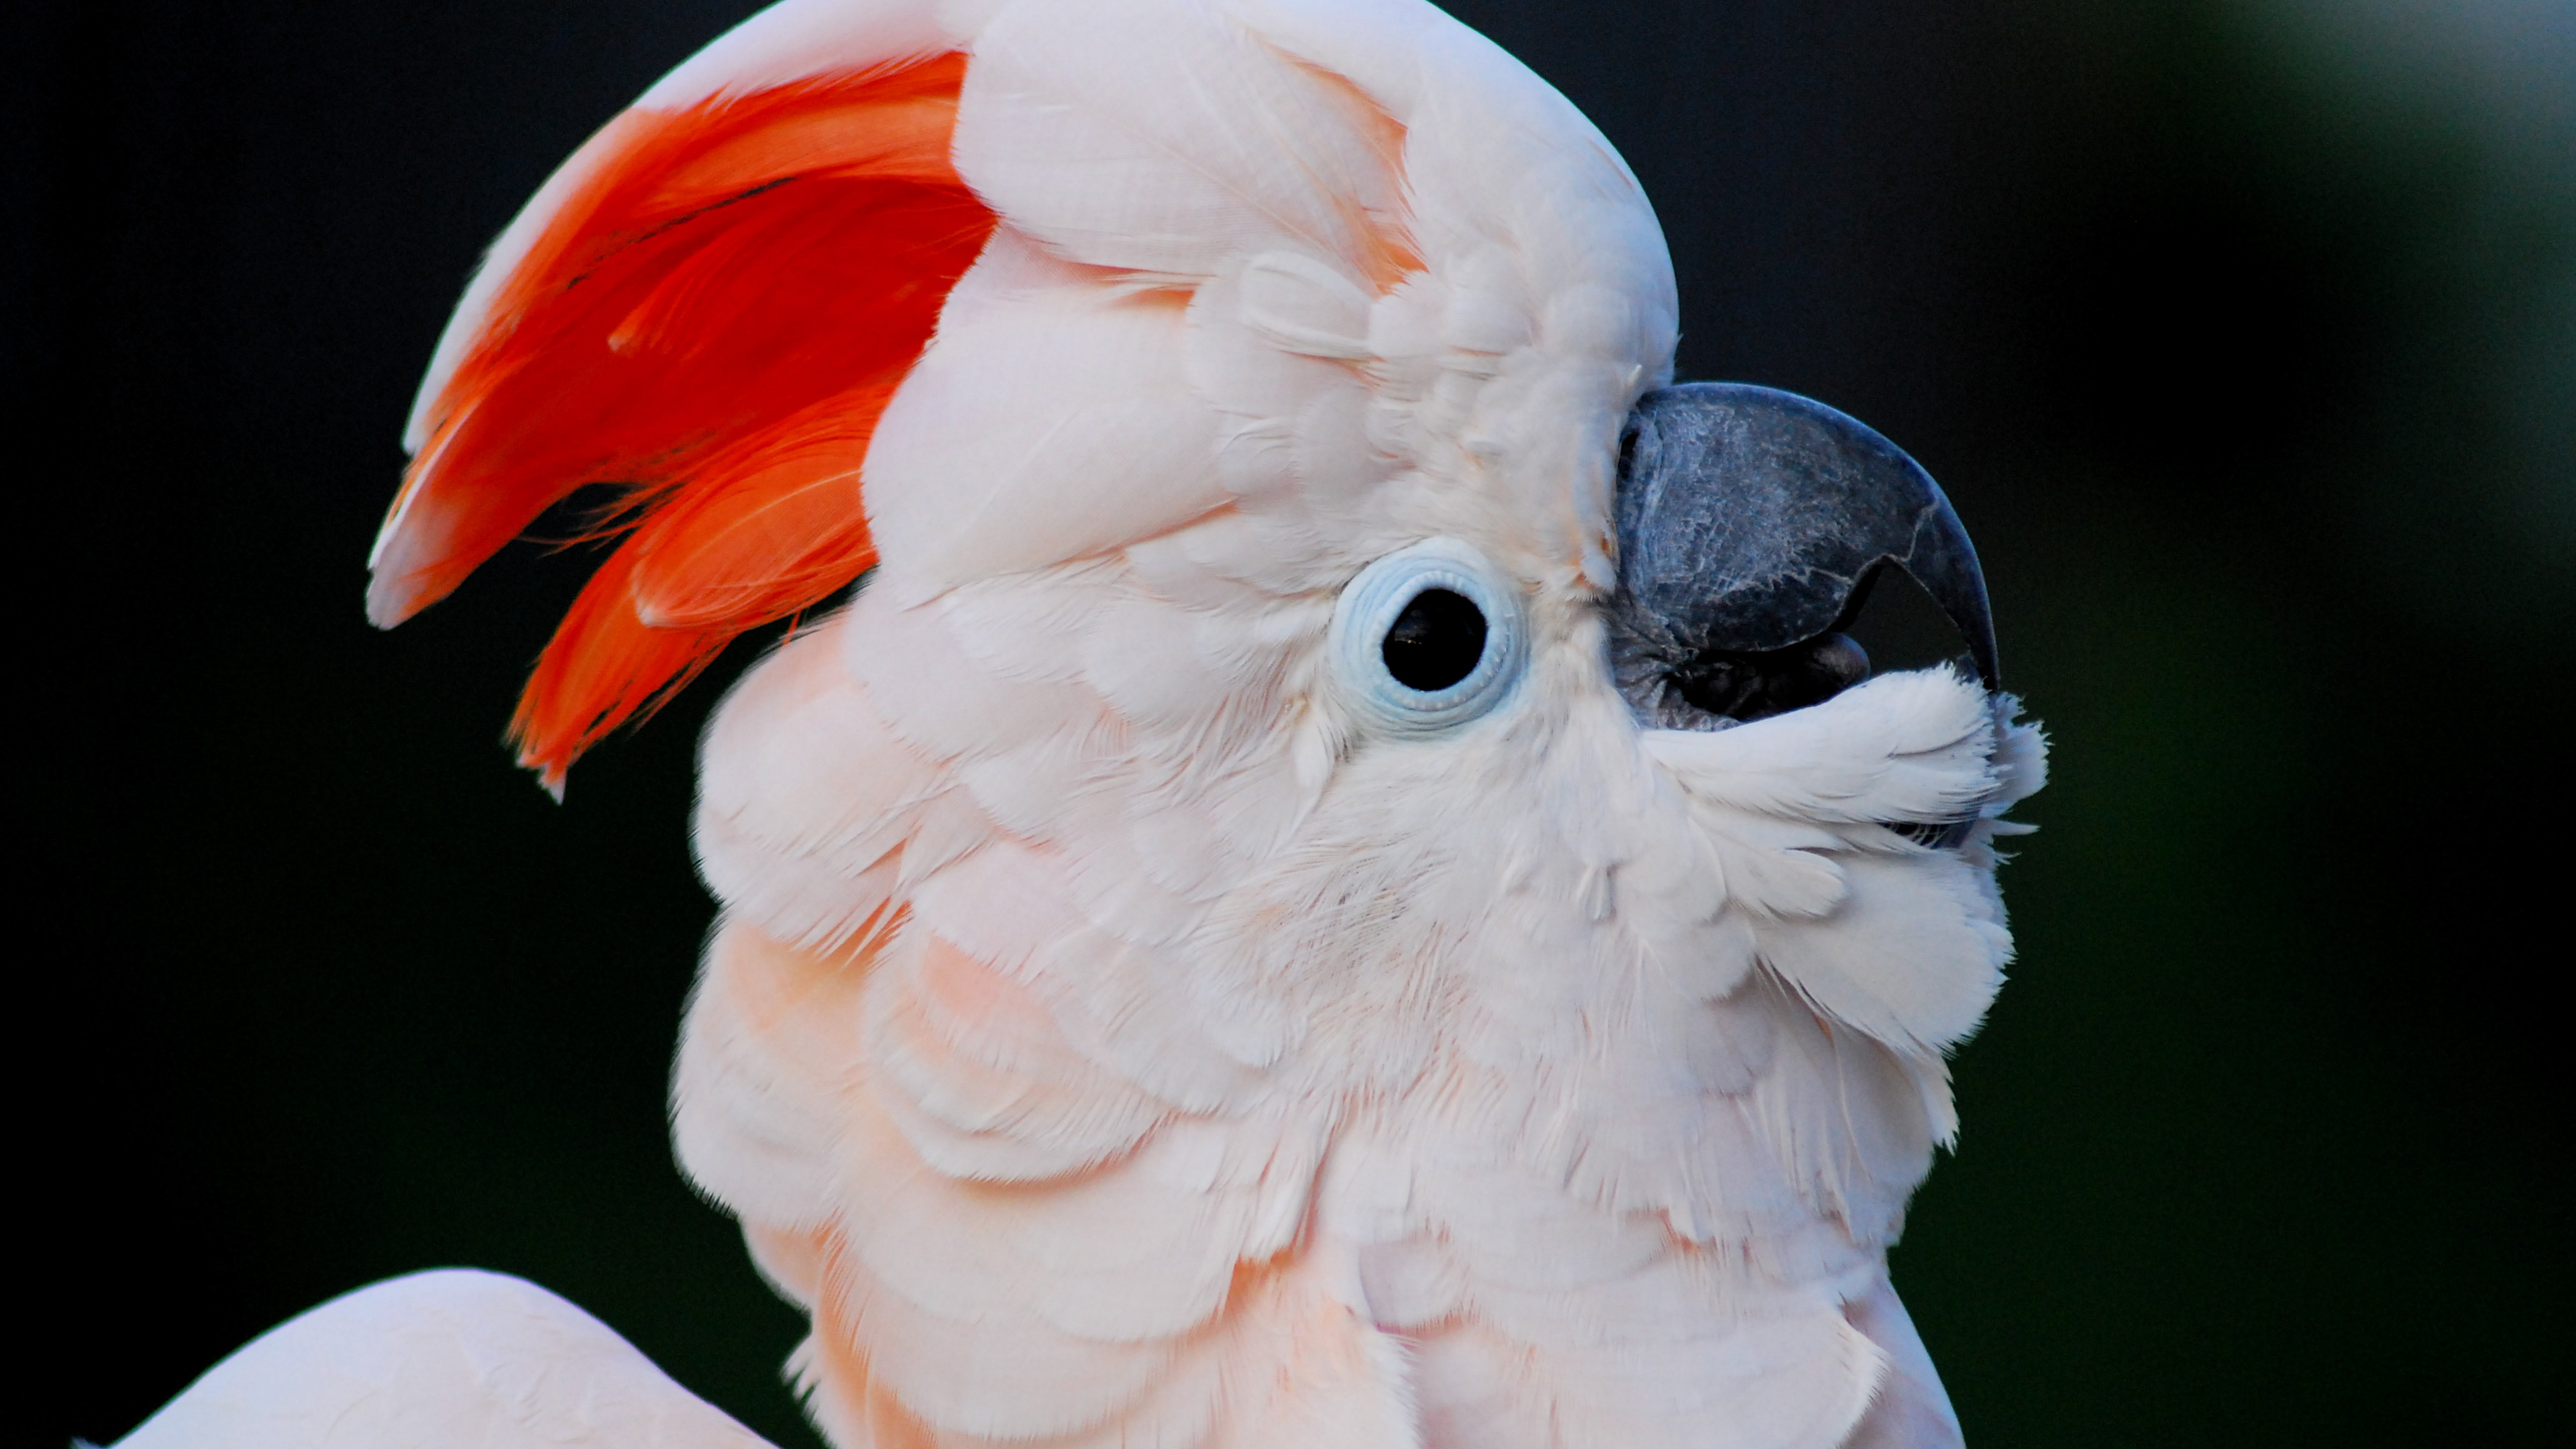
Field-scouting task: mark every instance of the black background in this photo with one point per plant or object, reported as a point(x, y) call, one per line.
point(2243, 332)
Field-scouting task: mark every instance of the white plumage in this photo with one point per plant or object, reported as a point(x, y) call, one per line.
point(1109, 1038)
point(441, 1359)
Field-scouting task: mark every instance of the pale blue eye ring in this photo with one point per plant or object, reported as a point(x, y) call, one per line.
point(1436, 614)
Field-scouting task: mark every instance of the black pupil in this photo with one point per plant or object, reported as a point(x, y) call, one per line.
point(1436, 641)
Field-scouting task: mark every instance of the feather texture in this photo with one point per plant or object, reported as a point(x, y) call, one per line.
point(711, 313)
point(453, 1357)
point(1111, 1036)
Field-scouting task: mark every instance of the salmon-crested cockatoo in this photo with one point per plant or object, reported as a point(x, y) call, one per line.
point(1333, 885)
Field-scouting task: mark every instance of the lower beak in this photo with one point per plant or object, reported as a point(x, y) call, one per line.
point(1751, 524)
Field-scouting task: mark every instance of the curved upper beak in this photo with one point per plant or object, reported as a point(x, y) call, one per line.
point(1751, 523)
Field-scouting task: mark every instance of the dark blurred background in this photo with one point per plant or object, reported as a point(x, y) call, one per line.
point(2242, 331)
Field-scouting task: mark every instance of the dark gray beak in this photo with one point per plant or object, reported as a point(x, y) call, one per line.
point(1751, 525)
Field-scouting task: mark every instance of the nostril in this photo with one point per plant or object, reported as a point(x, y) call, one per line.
point(1752, 686)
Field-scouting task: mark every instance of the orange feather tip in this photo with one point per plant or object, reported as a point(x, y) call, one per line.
point(713, 319)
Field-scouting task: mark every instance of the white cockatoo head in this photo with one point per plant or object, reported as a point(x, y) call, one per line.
point(1336, 883)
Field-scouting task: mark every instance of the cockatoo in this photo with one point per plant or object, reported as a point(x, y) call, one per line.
point(1333, 883)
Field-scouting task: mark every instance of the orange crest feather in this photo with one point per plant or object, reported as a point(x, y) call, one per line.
point(714, 319)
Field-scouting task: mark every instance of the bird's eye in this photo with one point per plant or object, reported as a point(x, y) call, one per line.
point(1428, 638)
point(1435, 642)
